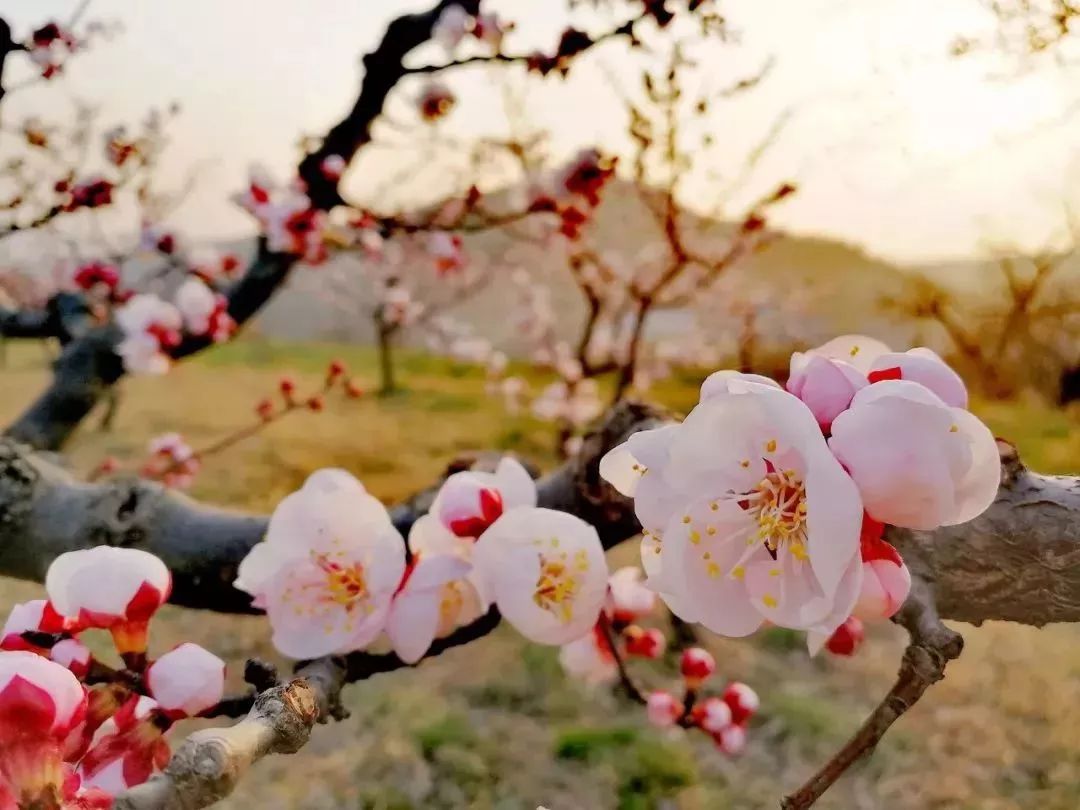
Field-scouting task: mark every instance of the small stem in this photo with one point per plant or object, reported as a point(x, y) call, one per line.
point(633, 691)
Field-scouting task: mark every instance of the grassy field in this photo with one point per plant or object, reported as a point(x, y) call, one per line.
point(496, 724)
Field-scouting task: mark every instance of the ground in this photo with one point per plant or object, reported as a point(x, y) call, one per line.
point(496, 724)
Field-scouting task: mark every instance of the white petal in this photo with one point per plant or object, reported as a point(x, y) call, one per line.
point(412, 623)
point(515, 484)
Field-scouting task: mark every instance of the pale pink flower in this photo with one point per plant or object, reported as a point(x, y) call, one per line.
point(327, 569)
point(589, 659)
point(629, 599)
point(719, 382)
point(186, 681)
point(421, 602)
point(545, 571)
point(918, 463)
point(858, 351)
point(127, 749)
point(448, 250)
point(151, 329)
point(662, 709)
point(922, 366)
point(118, 589)
point(204, 311)
point(452, 27)
point(760, 521)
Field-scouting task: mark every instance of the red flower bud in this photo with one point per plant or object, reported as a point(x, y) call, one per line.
point(742, 700)
point(353, 390)
point(847, 638)
point(644, 643)
point(265, 409)
point(697, 665)
point(335, 369)
point(315, 404)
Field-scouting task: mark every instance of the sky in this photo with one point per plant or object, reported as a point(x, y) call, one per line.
point(895, 144)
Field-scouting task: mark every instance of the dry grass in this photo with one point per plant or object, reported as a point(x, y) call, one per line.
point(496, 725)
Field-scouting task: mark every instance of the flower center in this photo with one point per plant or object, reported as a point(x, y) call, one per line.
point(778, 505)
point(345, 584)
point(557, 584)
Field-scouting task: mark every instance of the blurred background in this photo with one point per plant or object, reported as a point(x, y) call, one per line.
point(533, 233)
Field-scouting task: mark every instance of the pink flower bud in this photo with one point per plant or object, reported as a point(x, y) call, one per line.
point(332, 167)
point(628, 597)
point(468, 507)
point(118, 589)
point(74, 655)
point(663, 709)
point(847, 638)
point(649, 643)
point(712, 714)
point(886, 581)
point(742, 700)
point(34, 616)
point(697, 665)
point(187, 681)
point(731, 740)
point(826, 385)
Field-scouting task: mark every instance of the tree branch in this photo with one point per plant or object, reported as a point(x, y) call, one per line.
point(931, 648)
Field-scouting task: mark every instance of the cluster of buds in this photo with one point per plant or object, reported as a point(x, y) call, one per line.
point(286, 217)
point(94, 192)
point(572, 43)
point(172, 461)
point(723, 717)
point(290, 400)
point(455, 25)
point(74, 732)
point(577, 192)
point(49, 48)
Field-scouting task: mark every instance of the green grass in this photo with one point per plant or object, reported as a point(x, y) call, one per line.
point(495, 725)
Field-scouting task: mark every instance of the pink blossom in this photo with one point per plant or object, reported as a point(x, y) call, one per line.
point(628, 597)
point(662, 709)
point(589, 659)
point(918, 462)
point(127, 749)
point(328, 568)
point(118, 589)
point(204, 311)
point(886, 580)
point(41, 703)
point(753, 517)
point(151, 329)
point(186, 681)
point(922, 366)
point(545, 571)
point(421, 601)
point(448, 252)
point(452, 27)
point(826, 385)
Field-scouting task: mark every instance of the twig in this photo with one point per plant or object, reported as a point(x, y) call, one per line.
point(931, 648)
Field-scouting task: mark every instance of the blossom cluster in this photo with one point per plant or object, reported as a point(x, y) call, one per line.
point(455, 25)
point(335, 574)
point(768, 505)
point(73, 731)
point(286, 217)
